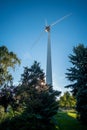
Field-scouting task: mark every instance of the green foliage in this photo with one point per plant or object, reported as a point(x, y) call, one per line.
point(77, 74)
point(67, 121)
point(2, 114)
point(36, 100)
point(82, 105)
point(67, 101)
point(26, 121)
point(33, 75)
point(32, 85)
point(7, 60)
point(7, 97)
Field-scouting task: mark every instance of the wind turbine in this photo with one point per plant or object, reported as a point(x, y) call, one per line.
point(49, 62)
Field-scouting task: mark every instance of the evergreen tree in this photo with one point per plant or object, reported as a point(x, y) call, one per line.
point(77, 74)
point(33, 76)
point(36, 99)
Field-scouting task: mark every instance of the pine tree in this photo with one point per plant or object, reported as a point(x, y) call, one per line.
point(37, 100)
point(77, 74)
point(33, 75)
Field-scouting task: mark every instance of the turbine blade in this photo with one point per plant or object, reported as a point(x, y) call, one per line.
point(45, 22)
point(59, 20)
point(37, 40)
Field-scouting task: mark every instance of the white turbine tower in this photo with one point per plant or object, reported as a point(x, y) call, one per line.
point(49, 62)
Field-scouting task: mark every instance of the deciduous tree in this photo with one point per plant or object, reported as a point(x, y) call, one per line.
point(67, 101)
point(7, 60)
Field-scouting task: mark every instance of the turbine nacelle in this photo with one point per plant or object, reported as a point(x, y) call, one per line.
point(47, 28)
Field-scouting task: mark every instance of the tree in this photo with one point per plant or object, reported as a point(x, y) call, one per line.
point(7, 60)
point(67, 101)
point(33, 75)
point(7, 97)
point(36, 99)
point(77, 74)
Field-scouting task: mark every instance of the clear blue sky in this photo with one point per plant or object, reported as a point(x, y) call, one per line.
point(22, 21)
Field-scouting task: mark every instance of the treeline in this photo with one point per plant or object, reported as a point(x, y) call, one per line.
point(33, 104)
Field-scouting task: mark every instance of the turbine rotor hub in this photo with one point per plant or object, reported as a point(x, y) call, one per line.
point(47, 28)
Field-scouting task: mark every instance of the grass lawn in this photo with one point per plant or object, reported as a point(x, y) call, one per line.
point(68, 121)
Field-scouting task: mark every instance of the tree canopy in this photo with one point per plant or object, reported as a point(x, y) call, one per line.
point(7, 60)
point(67, 101)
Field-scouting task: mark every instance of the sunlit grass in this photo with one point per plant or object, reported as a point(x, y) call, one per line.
point(67, 121)
point(72, 114)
